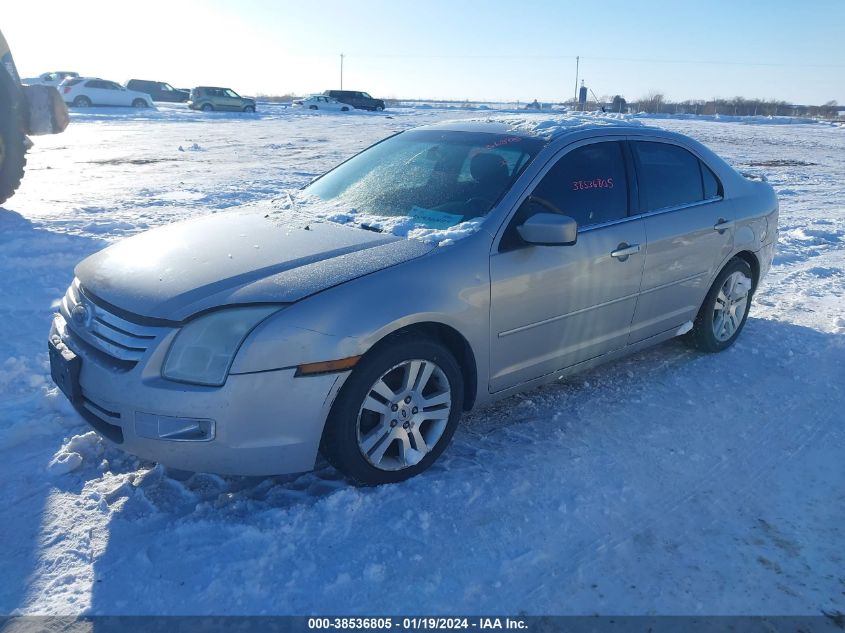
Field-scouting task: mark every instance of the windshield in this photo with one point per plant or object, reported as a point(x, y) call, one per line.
point(436, 178)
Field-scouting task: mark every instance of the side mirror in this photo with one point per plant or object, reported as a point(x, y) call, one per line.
point(549, 229)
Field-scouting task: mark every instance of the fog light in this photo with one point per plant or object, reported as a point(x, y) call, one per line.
point(165, 427)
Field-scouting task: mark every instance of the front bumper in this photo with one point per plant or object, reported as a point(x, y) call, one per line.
point(264, 423)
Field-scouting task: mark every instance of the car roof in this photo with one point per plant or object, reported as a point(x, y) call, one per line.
point(546, 128)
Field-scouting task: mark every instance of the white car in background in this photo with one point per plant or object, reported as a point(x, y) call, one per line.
point(83, 92)
point(322, 102)
point(50, 79)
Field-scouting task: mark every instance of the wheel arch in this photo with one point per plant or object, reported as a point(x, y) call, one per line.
point(454, 341)
point(751, 259)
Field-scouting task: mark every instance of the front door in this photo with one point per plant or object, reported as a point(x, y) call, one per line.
point(555, 306)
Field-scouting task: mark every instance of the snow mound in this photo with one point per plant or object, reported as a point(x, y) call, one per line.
point(75, 451)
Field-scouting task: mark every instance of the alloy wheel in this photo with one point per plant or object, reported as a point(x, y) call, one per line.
point(731, 305)
point(404, 415)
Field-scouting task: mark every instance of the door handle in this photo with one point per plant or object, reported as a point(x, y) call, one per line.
point(723, 225)
point(623, 251)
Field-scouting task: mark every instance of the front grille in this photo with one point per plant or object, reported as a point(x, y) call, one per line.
point(117, 338)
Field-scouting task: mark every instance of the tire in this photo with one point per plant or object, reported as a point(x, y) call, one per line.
point(353, 429)
point(82, 102)
point(12, 146)
point(312, 107)
point(379, 108)
point(716, 328)
point(139, 103)
point(344, 109)
point(207, 107)
point(249, 109)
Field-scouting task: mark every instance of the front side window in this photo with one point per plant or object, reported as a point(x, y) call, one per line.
point(232, 93)
point(668, 176)
point(588, 184)
point(419, 175)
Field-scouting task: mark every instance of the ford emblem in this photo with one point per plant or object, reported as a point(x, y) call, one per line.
point(81, 315)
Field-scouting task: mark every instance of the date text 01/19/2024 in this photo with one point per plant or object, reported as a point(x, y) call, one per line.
point(428, 623)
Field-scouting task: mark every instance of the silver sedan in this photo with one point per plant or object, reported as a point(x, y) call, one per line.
point(440, 269)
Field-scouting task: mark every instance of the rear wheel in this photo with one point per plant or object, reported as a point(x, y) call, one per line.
point(312, 107)
point(396, 413)
point(82, 102)
point(207, 107)
point(725, 309)
point(344, 109)
point(139, 103)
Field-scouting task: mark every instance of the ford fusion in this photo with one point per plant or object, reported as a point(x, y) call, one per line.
point(440, 269)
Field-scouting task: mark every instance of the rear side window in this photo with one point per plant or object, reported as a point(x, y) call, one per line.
point(712, 186)
point(588, 184)
point(668, 175)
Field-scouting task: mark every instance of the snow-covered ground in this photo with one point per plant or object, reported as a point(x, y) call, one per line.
point(671, 482)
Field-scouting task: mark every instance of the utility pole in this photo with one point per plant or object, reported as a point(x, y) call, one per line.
point(577, 65)
point(341, 71)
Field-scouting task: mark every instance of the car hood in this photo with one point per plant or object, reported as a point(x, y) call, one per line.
point(234, 258)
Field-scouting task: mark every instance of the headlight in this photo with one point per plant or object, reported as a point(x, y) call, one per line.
point(204, 349)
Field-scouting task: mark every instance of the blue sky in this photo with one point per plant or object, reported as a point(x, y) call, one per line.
point(436, 49)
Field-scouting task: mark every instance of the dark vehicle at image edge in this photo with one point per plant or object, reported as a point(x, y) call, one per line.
point(25, 110)
point(159, 90)
point(357, 99)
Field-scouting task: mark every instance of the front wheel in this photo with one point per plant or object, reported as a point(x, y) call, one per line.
point(725, 309)
point(379, 108)
point(12, 156)
point(396, 413)
point(312, 107)
point(249, 108)
point(207, 107)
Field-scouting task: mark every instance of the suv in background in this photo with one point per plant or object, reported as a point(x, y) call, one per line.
point(208, 98)
point(357, 99)
point(159, 90)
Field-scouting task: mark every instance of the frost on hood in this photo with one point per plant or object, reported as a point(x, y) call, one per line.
point(422, 225)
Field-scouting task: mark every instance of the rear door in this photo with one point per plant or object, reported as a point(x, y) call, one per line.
point(689, 226)
point(555, 306)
